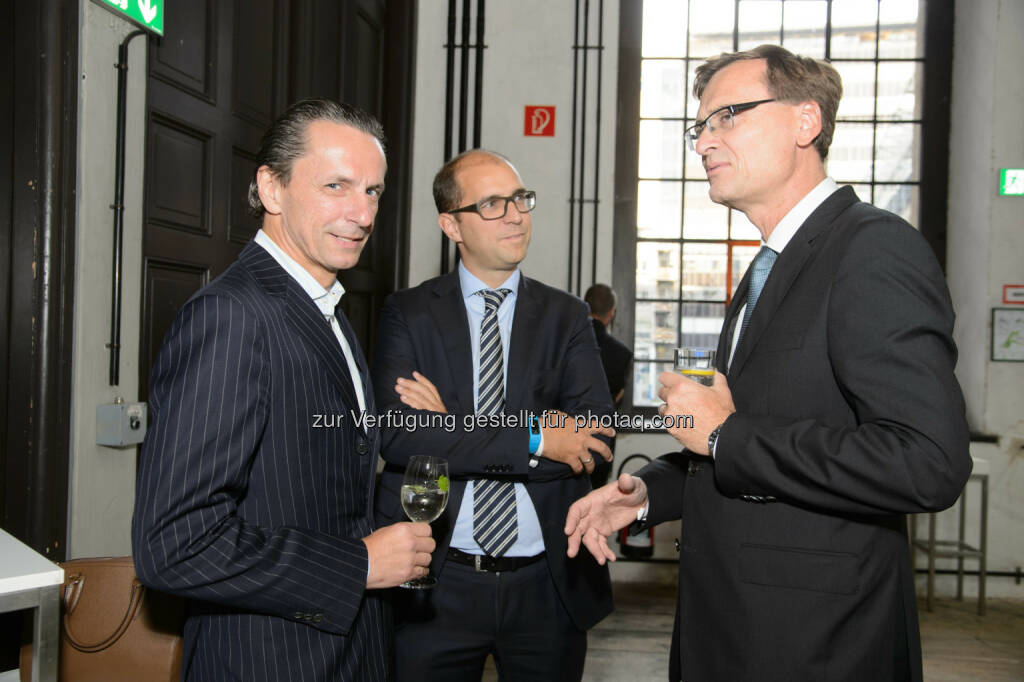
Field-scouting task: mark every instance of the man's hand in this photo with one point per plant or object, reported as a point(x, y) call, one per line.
point(567, 442)
point(419, 393)
point(398, 553)
point(709, 406)
point(593, 518)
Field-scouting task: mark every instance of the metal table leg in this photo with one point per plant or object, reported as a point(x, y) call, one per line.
point(46, 635)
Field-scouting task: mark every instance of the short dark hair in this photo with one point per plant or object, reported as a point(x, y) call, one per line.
point(790, 78)
point(601, 299)
point(285, 141)
point(447, 193)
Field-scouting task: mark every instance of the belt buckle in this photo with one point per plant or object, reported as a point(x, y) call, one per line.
point(476, 563)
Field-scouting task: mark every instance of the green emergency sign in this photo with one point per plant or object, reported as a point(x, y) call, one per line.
point(1011, 182)
point(147, 13)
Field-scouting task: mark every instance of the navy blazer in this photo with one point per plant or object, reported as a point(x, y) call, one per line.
point(553, 363)
point(255, 487)
point(848, 415)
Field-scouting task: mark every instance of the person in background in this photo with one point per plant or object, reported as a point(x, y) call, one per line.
point(486, 341)
point(616, 358)
point(253, 499)
point(834, 414)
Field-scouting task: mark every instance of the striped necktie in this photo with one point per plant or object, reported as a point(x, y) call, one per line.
point(762, 265)
point(495, 525)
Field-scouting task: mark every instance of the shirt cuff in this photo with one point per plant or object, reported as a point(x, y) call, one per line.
point(641, 514)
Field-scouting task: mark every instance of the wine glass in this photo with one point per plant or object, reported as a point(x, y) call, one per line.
point(424, 496)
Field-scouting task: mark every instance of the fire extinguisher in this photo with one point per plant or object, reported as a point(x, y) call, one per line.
point(640, 546)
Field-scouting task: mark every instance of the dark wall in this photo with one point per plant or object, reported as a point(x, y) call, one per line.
point(38, 98)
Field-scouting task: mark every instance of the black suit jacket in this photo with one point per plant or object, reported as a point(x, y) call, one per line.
point(553, 364)
point(248, 501)
point(616, 357)
point(849, 415)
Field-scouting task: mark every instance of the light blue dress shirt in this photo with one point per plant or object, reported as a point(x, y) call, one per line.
point(530, 541)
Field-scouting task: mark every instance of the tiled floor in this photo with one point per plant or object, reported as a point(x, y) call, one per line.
point(632, 644)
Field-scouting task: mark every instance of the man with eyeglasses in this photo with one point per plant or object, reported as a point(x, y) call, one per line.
point(490, 345)
point(835, 411)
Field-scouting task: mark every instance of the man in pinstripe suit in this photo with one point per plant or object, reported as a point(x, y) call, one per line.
point(255, 490)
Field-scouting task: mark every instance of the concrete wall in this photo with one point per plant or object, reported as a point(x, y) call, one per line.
point(986, 244)
point(102, 479)
point(528, 61)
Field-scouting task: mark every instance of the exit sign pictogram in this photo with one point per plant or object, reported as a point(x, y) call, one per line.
point(149, 14)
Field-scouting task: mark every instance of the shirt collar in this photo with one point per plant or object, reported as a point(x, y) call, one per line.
point(471, 283)
point(326, 299)
point(792, 221)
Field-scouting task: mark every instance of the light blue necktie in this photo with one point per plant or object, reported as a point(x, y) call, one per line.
point(495, 523)
point(759, 269)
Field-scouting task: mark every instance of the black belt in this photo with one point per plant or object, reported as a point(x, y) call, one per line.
point(501, 564)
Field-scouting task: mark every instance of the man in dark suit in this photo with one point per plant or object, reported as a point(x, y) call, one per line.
point(255, 488)
point(485, 342)
point(840, 414)
point(616, 358)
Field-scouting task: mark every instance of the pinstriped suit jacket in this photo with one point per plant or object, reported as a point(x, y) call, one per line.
point(250, 504)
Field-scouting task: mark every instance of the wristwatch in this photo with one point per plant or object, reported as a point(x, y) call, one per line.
point(713, 439)
point(534, 441)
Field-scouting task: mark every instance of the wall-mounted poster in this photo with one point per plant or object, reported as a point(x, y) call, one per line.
point(1007, 335)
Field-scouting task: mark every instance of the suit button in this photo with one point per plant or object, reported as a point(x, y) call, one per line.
point(362, 447)
point(298, 615)
point(318, 617)
point(676, 544)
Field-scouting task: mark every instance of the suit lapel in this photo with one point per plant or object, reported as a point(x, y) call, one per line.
point(302, 314)
point(524, 327)
point(357, 353)
point(448, 311)
point(785, 271)
point(730, 324)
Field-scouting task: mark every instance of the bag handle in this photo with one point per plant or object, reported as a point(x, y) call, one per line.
point(73, 592)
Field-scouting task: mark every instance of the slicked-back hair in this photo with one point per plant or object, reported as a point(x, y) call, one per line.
point(447, 193)
point(285, 141)
point(790, 78)
point(600, 298)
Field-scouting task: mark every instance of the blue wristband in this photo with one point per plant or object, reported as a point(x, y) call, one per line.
point(534, 434)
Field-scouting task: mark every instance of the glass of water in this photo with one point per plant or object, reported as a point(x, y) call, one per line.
point(696, 363)
point(424, 496)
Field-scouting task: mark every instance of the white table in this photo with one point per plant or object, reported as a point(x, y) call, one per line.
point(30, 581)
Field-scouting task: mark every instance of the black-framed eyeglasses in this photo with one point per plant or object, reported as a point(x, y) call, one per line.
point(493, 208)
point(722, 118)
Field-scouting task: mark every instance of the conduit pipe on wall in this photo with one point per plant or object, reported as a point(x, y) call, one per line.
point(118, 206)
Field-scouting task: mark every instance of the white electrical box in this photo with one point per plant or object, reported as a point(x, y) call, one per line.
point(121, 425)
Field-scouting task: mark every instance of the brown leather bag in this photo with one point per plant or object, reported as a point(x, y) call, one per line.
point(113, 627)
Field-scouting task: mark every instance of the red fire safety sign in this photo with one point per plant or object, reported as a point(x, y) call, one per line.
point(539, 121)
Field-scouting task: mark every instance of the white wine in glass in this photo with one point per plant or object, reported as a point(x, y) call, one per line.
point(697, 364)
point(424, 496)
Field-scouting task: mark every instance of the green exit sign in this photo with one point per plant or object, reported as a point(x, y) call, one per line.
point(147, 13)
point(1011, 182)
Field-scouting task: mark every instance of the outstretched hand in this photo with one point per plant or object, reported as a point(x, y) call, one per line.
point(593, 518)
